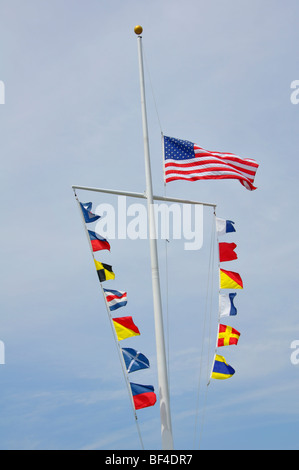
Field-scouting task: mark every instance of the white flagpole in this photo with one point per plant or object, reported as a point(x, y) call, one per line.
point(166, 427)
point(142, 196)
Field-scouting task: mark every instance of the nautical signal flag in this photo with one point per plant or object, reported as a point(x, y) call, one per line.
point(185, 160)
point(88, 215)
point(97, 242)
point(143, 395)
point(221, 370)
point(115, 299)
point(230, 280)
point(226, 252)
point(104, 271)
point(125, 328)
point(227, 336)
point(224, 226)
point(226, 305)
point(134, 360)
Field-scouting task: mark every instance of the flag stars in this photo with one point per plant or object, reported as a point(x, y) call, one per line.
point(177, 149)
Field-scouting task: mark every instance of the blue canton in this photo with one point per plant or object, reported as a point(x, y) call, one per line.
point(178, 149)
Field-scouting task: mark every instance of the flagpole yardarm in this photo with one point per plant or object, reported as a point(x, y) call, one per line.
point(142, 195)
point(166, 426)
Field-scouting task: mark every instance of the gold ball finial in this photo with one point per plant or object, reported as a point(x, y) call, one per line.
point(138, 29)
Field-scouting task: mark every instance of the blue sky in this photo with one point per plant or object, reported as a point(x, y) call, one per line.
point(221, 75)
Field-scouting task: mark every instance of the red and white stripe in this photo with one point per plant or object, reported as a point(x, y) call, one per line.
point(212, 165)
point(113, 299)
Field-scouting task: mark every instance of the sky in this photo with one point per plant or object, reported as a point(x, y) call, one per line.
point(218, 74)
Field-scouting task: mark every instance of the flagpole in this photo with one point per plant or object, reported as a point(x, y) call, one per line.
point(166, 426)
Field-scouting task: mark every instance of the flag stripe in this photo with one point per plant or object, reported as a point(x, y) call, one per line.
point(209, 163)
point(114, 305)
point(211, 177)
point(114, 298)
point(227, 156)
point(98, 245)
point(143, 400)
point(208, 170)
point(143, 395)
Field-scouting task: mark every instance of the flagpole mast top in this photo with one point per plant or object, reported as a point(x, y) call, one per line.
point(138, 30)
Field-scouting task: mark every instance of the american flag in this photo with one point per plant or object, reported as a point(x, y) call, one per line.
point(184, 160)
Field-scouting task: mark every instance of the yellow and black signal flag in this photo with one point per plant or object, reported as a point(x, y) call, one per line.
point(104, 271)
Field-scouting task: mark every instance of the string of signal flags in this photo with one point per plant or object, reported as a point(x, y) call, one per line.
point(142, 396)
point(227, 335)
